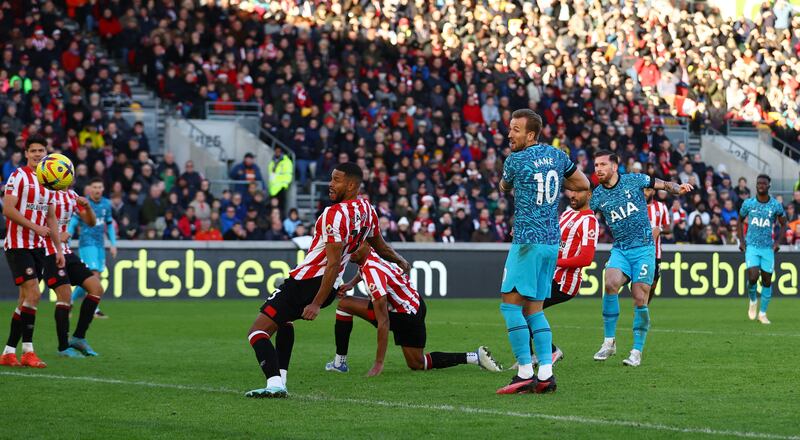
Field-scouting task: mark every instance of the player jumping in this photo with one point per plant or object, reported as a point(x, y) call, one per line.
point(91, 247)
point(760, 245)
point(658, 214)
point(395, 305)
point(620, 199)
point(75, 273)
point(30, 216)
point(535, 172)
point(338, 233)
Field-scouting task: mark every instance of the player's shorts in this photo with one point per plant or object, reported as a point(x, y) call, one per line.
point(408, 330)
point(529, 270)
point(94, 257)
point(73, 273)
point(25, 264)
point(288, 301)
point(636, 263)
point(763, 258)
point(556, 296)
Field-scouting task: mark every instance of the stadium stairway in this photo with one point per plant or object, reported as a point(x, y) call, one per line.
point(695, 143)
point(141, 95)
point(748, 157)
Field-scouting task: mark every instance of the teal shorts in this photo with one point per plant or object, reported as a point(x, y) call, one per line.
point(93, 257)
point(763, 258)
point(529, 270)
point(638, 264)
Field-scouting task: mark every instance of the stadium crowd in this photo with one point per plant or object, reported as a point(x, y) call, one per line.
point(418, 93)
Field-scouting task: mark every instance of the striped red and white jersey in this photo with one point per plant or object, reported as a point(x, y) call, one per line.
point(659, 216)
point(33, 201)
point(66, 204)
point(579, 232)
point(350, 223)
point(385, 278)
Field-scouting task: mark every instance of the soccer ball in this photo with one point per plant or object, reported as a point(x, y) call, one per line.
point(55, 172)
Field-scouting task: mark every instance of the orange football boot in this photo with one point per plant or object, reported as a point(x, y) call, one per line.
point(30, 359)
point(9, 360)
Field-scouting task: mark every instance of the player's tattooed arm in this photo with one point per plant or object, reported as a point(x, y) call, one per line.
point(381, 308)
point(672, 187)
point(388, 253)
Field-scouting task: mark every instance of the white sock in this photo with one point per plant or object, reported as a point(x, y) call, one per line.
point(275, 381)
point(339, 360)
point(545, 371)
point(284, 373)
point(609, 341)
point(10, 349)
point(525, 371)
point(472, 358)
point(27, 347)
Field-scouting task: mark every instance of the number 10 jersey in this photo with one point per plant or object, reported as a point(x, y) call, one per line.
point(537, 173)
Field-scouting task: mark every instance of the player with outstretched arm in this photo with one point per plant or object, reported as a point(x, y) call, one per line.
point(620, 198)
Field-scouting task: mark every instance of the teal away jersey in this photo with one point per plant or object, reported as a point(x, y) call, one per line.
point(624, 209)
point(761, 219)
point(537, 174)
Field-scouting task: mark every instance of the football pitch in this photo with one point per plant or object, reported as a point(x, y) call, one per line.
point(179, 369)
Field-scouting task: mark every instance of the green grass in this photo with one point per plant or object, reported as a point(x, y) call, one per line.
point(706, 368)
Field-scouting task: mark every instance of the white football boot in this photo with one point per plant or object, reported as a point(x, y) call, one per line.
point(608, 349)
point(634, 359)
point(752, 310)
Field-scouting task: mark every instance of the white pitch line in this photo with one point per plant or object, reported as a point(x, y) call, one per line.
point(657, 330)
point(444, 408)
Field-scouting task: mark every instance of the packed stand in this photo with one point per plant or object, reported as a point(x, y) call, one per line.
point(55, 83)
point(419, 95)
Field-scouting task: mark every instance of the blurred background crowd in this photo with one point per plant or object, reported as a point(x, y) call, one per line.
point(418, 93)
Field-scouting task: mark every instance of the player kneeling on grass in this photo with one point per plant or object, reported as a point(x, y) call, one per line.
point(338, 233)
point(74, 273)
point(395, 305)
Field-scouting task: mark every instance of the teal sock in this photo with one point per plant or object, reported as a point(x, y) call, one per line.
point(518, 333)
point(610, 315)
point(77, 294)
point(641, 324)
point(766, 295)
point(752, 291)
point(542, 337)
